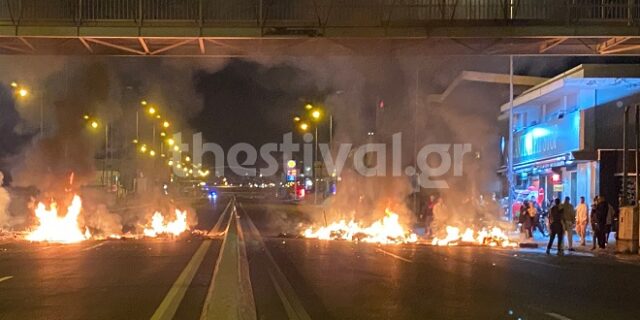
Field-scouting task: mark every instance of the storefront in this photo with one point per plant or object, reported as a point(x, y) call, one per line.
point(560, 125)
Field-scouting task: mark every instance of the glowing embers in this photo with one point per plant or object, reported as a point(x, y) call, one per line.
point(388, 230)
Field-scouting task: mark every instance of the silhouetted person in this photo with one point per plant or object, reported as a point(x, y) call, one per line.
point(428, 216)
point(602, 210)
point(568, 220)
point(555, 226)
point(593, 217)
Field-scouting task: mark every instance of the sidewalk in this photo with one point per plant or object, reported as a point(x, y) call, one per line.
point(610, 250)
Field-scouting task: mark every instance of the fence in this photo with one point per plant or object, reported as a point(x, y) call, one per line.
point(319, 13)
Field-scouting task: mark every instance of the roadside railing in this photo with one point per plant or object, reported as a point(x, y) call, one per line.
point(319, 13)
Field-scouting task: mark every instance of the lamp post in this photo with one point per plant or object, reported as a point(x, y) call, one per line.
point(94, 124)
point(315, 115)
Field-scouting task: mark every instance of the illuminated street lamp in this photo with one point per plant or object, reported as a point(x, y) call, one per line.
point(316, 114)
point(22, 92)
point(296, 119)
point(151, 110)
point(94, 124)
point(166, 124)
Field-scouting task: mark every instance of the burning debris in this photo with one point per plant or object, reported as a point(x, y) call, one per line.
point(172, 228)
point(385, 231)
point(55, 228)
point(492, 237)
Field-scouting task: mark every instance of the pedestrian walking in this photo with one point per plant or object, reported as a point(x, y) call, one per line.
point(568, 220)
point(555, 226)
point(582, 220)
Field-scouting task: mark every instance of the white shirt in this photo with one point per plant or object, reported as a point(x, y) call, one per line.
point(582, 214)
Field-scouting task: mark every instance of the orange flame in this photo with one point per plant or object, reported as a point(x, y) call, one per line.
point(175, 227)
point(53, 228)
point(492, 237)
point(385, 231)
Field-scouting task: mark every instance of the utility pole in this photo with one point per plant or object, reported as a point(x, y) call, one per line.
point(510, 150)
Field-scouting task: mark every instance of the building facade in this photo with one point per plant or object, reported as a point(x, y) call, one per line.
point(566, 129)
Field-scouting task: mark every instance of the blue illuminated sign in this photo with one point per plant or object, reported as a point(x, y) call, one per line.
point(549, 139)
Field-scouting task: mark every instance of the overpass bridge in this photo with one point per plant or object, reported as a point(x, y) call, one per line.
point(228, 28)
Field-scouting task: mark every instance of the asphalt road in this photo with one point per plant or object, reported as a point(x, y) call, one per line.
point(252, 273)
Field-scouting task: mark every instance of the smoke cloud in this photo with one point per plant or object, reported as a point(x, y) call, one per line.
point(4, 204)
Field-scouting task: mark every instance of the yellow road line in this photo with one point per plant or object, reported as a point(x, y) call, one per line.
point(557, 316)
point(5, 278)
point(169, 305)
point(216, 227)
point(394, 255)
point(284, 289)
point(291, 311)
point(172, 300)
point(95, 246)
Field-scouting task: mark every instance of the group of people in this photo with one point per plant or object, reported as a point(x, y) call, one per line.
point(529, 218)
point(564, 218)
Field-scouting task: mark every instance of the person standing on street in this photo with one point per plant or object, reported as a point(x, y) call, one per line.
point(593, 217)
point(532, 213)
point(582, 219)
point(555, 226)
point(611, 212)
point(523, 219)
point(439, 216)
point(568, 219)
point(602, 210)
point(427, 215)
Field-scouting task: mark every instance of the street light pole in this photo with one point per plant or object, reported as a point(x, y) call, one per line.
point(415, 145)
point(315, 168)
point(41, 115)
point(106, 154)
point(330, 131)
point(510, 151)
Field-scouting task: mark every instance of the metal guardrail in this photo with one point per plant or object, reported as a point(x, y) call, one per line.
point(318, 13)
